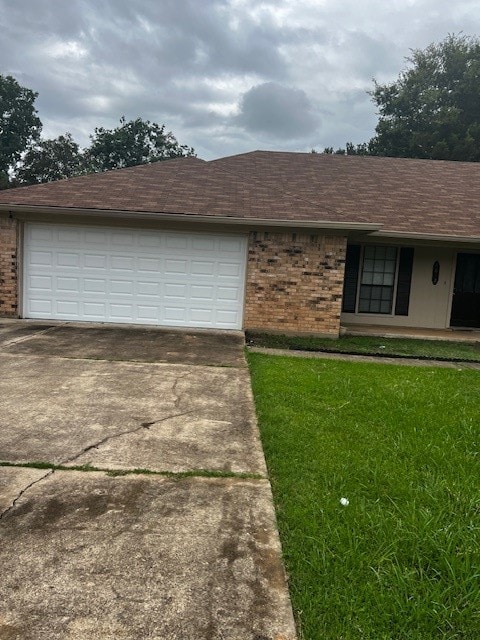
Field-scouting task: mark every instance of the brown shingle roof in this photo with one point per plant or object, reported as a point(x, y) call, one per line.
point(402, 195)
point(181, 186)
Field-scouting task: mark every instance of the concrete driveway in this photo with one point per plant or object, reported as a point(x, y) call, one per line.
point(159, 522)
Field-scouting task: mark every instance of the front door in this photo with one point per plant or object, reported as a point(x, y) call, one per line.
point(466, 292)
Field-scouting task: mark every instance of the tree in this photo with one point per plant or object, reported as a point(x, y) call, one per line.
point(433, 109)
point(351, 149)
point(48, 160)
point(132, 143)
point(19, 123)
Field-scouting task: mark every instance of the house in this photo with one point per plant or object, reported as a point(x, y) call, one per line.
point(281, 242)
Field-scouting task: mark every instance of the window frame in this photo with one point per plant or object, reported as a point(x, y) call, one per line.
point(391, 313)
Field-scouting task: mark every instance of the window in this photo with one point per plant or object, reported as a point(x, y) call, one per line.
point(377, 279)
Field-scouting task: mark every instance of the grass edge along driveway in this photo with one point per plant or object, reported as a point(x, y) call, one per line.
point(372, 345)
point(375, 474)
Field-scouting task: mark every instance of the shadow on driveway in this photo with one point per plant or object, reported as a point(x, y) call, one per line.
point(133, 344)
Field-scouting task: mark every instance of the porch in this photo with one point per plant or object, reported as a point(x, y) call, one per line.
point(383, 331)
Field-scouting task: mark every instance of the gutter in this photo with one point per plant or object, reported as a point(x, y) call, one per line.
point(186, 217)
point(425, 236)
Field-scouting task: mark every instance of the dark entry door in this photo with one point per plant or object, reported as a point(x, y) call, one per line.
point(466, 292)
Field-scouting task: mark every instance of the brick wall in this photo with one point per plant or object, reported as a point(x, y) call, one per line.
point(8, 267)
point(295, 283)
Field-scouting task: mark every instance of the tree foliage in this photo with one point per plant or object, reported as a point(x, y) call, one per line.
point(27, 159)
point(19, 123)
point(48, 160)
point(433, 109)
point(132, 143)
point(350, 149)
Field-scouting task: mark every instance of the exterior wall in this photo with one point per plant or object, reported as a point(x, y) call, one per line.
point(294, 283)
point(430, 305)
point(8, 267)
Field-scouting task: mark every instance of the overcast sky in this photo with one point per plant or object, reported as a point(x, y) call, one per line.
point(225, 76)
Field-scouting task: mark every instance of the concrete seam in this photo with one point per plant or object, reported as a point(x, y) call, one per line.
point(191, 473)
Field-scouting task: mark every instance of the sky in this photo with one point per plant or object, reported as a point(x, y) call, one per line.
point(225, 76)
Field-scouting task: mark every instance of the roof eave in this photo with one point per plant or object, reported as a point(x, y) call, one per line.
point(177, 217)
point(425, 236)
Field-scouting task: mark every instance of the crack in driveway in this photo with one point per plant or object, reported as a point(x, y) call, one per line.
point(23, 491)
point(178, 396)
point(102, 441)
point(35, 334)
point(143, 425)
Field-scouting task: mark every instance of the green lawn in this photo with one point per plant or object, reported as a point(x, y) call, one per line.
point(400, 561)
point(409, 347)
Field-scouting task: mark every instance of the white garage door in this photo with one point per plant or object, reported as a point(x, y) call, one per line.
point(137, 276)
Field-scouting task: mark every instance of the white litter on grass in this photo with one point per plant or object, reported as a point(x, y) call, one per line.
point(344, 501)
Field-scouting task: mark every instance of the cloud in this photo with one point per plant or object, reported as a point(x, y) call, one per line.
point(277, 111)
point(224, 75)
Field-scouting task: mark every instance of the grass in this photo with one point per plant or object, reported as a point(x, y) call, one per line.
point(401, 561)
point(176, 475)
point(371, 345)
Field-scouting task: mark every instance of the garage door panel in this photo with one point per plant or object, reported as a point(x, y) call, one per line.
point(175, 267)
point(68, 260)
point(231, 246)
point(175, 241)
point(148, 265)
point(94, 261)
point(122, 239)
point(229, 270)
point(122, 263)
point(68, 285)
point(138, 276)
point(69, 235)
point(201, 315)
point(203, 244)
point(148, 241)
point(69, 308)
point(95, 237)
point(122, 312)
point(175, 314)
point(146, 312)
point(94, 285)
point(40, 259)
point(146, 288)
point(227, 317)
point(122, 287)
point(202, 292)
point(42, 234)
point(228, 293)
point(175, 290)
point(94, 310)
point(40, 282)
point(40, 305)
point(202, 268)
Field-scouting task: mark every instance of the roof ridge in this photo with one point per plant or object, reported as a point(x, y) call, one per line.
point(352, 157)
